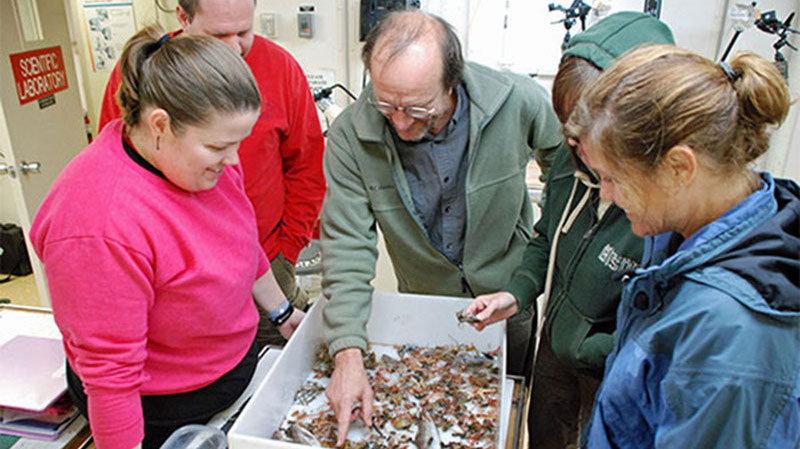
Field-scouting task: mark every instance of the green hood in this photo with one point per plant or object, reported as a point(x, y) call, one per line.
point(614, 35)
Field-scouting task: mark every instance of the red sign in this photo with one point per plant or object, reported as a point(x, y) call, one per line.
point(38, 73)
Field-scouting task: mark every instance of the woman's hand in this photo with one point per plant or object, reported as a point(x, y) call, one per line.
point(491, 308)
point(289, 326)
point(269, 296)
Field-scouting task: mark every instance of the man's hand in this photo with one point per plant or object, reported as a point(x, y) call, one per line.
point(289, 326)
point(491, 308)
point(348, 388)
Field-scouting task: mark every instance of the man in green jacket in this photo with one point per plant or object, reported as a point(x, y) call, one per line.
point(584, 245)
point(435, 153)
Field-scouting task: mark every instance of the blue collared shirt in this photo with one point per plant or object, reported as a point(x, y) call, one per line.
point(435, 168)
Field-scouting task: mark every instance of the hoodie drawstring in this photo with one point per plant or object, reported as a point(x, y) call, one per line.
point(564, 225)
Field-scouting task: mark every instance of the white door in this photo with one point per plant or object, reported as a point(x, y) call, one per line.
point(38, 136)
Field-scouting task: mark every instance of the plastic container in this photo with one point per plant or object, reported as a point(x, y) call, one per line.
point(395, 319)
point(196, 436)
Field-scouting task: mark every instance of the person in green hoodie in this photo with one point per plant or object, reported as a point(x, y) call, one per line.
point(583, 246)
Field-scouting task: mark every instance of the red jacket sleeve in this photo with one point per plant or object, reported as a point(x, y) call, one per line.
point(301, 152)
point(109, 109)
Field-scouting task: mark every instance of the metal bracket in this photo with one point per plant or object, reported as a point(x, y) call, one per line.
point(30, 167)
point(6, 169)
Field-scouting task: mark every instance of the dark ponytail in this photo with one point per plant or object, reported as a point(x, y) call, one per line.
point(190, 77)
point(130, 68)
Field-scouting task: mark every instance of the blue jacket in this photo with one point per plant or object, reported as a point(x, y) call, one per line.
point(707, 351)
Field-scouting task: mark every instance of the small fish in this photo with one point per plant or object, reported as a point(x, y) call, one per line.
point(462, 317)
point(308, 393)
point(401, 422)
point(427, 434)
point(389, 361)
point(377, 428)
point(300, 434)
point(356, 445)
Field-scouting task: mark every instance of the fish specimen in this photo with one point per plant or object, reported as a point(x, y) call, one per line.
point(424, 398)
point(427, 434)
point(300, 434)
point(462, 317)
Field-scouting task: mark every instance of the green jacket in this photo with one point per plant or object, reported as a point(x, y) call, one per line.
point(580, 317)
point(510, 118)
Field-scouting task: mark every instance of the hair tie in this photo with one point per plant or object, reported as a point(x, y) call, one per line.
point(732, 75)
point(158, 44)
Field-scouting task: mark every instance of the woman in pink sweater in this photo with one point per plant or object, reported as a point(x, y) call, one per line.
point(151, 249)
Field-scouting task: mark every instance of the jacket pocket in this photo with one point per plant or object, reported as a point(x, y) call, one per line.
point(492, 204)
point(581, 341)
point(523, 231)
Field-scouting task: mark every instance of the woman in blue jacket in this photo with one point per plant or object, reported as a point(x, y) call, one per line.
point(707, 350)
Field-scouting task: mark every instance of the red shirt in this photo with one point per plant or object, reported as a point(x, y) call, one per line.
point(282, 158)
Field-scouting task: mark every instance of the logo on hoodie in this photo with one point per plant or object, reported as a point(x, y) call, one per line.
point(613, 261)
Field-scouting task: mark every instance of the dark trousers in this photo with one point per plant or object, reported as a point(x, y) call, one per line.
point(166, 413)
point(561, 402)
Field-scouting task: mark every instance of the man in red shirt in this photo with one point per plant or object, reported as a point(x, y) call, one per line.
point(282, 158)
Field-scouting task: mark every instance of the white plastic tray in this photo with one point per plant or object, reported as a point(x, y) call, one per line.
point(395, 319)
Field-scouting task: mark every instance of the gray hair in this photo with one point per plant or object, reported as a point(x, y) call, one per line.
point(398, 30)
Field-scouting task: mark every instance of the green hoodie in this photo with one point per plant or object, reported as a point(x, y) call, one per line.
point(617, 34)
point(592, 251)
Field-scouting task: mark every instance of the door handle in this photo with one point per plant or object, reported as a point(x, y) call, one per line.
point(30, 167)
point(6, 169)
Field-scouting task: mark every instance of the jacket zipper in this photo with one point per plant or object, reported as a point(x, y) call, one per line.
point(465, 287)
point(471, 144)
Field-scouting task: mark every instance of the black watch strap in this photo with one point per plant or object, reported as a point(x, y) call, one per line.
point(280, 319)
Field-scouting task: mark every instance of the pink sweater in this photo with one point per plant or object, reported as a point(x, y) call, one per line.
point(150, 284)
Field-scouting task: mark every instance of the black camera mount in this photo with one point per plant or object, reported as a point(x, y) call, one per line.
point(577, 10)
point(769, 23)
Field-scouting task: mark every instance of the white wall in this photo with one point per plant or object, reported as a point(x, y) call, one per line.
point(335, 39)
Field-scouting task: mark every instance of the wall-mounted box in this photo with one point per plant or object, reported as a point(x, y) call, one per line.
point(305, 24)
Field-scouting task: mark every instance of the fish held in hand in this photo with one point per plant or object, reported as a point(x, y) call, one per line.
point(462, 317)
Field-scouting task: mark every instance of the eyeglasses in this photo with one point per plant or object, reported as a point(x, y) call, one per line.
point(388, 109)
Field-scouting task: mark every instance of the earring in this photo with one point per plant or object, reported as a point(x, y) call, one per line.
point(158, 143)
